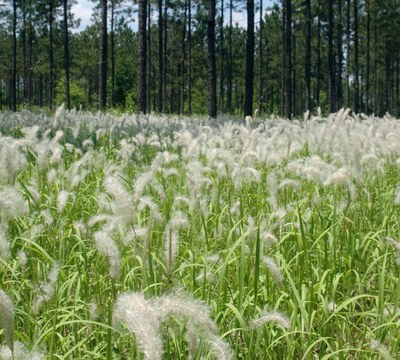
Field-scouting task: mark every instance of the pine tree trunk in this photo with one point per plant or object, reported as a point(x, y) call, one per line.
point(51, 56)
point(212, 73)
point(165, 54)
point(248, 104)
point(14, 60)
point(66, 55)
point(160, 58)
point(182, 64)
point(260, 62)
point(288, 59)
point(367, 76)
point(318, 69)
point(222, 55)
point(24, 61)
point(103, 58)
point(339, 80)
point(331, 78)
point(141, 70)
point(112, 49)
point(356, 74)
point(30, 61)
point(375, 70)
point(148, 101)
point(308, 57)
point(229, 77)
point(189, 57)
point(347, 71)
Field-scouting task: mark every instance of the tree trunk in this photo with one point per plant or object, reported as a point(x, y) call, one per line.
point(189, 57)
point(367, 75)
point(288, 59)
point(30, 61)
point(339, 82)
point(318, 69)
point(260, 62)
point(248, 104)
point(229, 77)
point(160, 58)
point(14, 60)
point(66, 55)
point(356, 75)
point(51, 56)
point(212, 73)
point(24, 60)
point(148, 101)
point(165, 54)
point(182, 63)
point(141, 70)
point(347, 71)
point(375, 70)
point(112, 46)
point(307, 66)
point(103, 58)
point(222, 53)
point(331, 78)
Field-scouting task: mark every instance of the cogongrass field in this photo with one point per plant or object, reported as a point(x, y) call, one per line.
point(126, 237)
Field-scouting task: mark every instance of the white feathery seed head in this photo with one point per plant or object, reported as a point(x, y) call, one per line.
point(5, 251)
point(12, 204)
point(393, 242)
point(62, 199)
point(271, 316)
point(107, 247)
point(382, 349)
point(219, 348)
point(331, 307)
point(141, 318)
point(397, 196)
point(273, 269)
point(20, 353)
point(46, 290)
point(22, 259)
point(171, 247)
point(7, 315)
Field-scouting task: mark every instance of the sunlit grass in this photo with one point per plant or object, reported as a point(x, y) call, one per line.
point(248, 221)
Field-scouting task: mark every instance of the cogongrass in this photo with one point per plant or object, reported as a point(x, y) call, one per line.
point(146, 204)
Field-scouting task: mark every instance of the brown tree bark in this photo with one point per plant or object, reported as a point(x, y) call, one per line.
point(248, 103)
point(212, 73)
point(141, 63)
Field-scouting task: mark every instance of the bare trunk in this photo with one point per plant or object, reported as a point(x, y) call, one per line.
point(66, 55)
point(248, 104)
point(103, 58)
point(307, 66)
point(212, 73)
point(141, 70)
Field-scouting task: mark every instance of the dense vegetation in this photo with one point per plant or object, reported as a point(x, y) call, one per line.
point(331, 54)
point(271, 239)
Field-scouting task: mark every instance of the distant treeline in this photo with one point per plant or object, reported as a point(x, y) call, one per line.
point(190, 56)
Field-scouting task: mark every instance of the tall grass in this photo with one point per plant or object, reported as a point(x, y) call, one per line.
point(151, 237)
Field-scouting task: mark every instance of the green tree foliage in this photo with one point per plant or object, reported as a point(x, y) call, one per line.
point(378, 65)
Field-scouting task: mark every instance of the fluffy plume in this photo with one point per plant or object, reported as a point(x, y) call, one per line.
point(4, 245)
point(107, 247)
point(219, 348)
point(20, 353)
point(382, 349)
point(271, 316)
point(7, 315)
point(12, 204)
point(62, 199)
point(141, 318)
point(46, 290)
point(273, 269)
